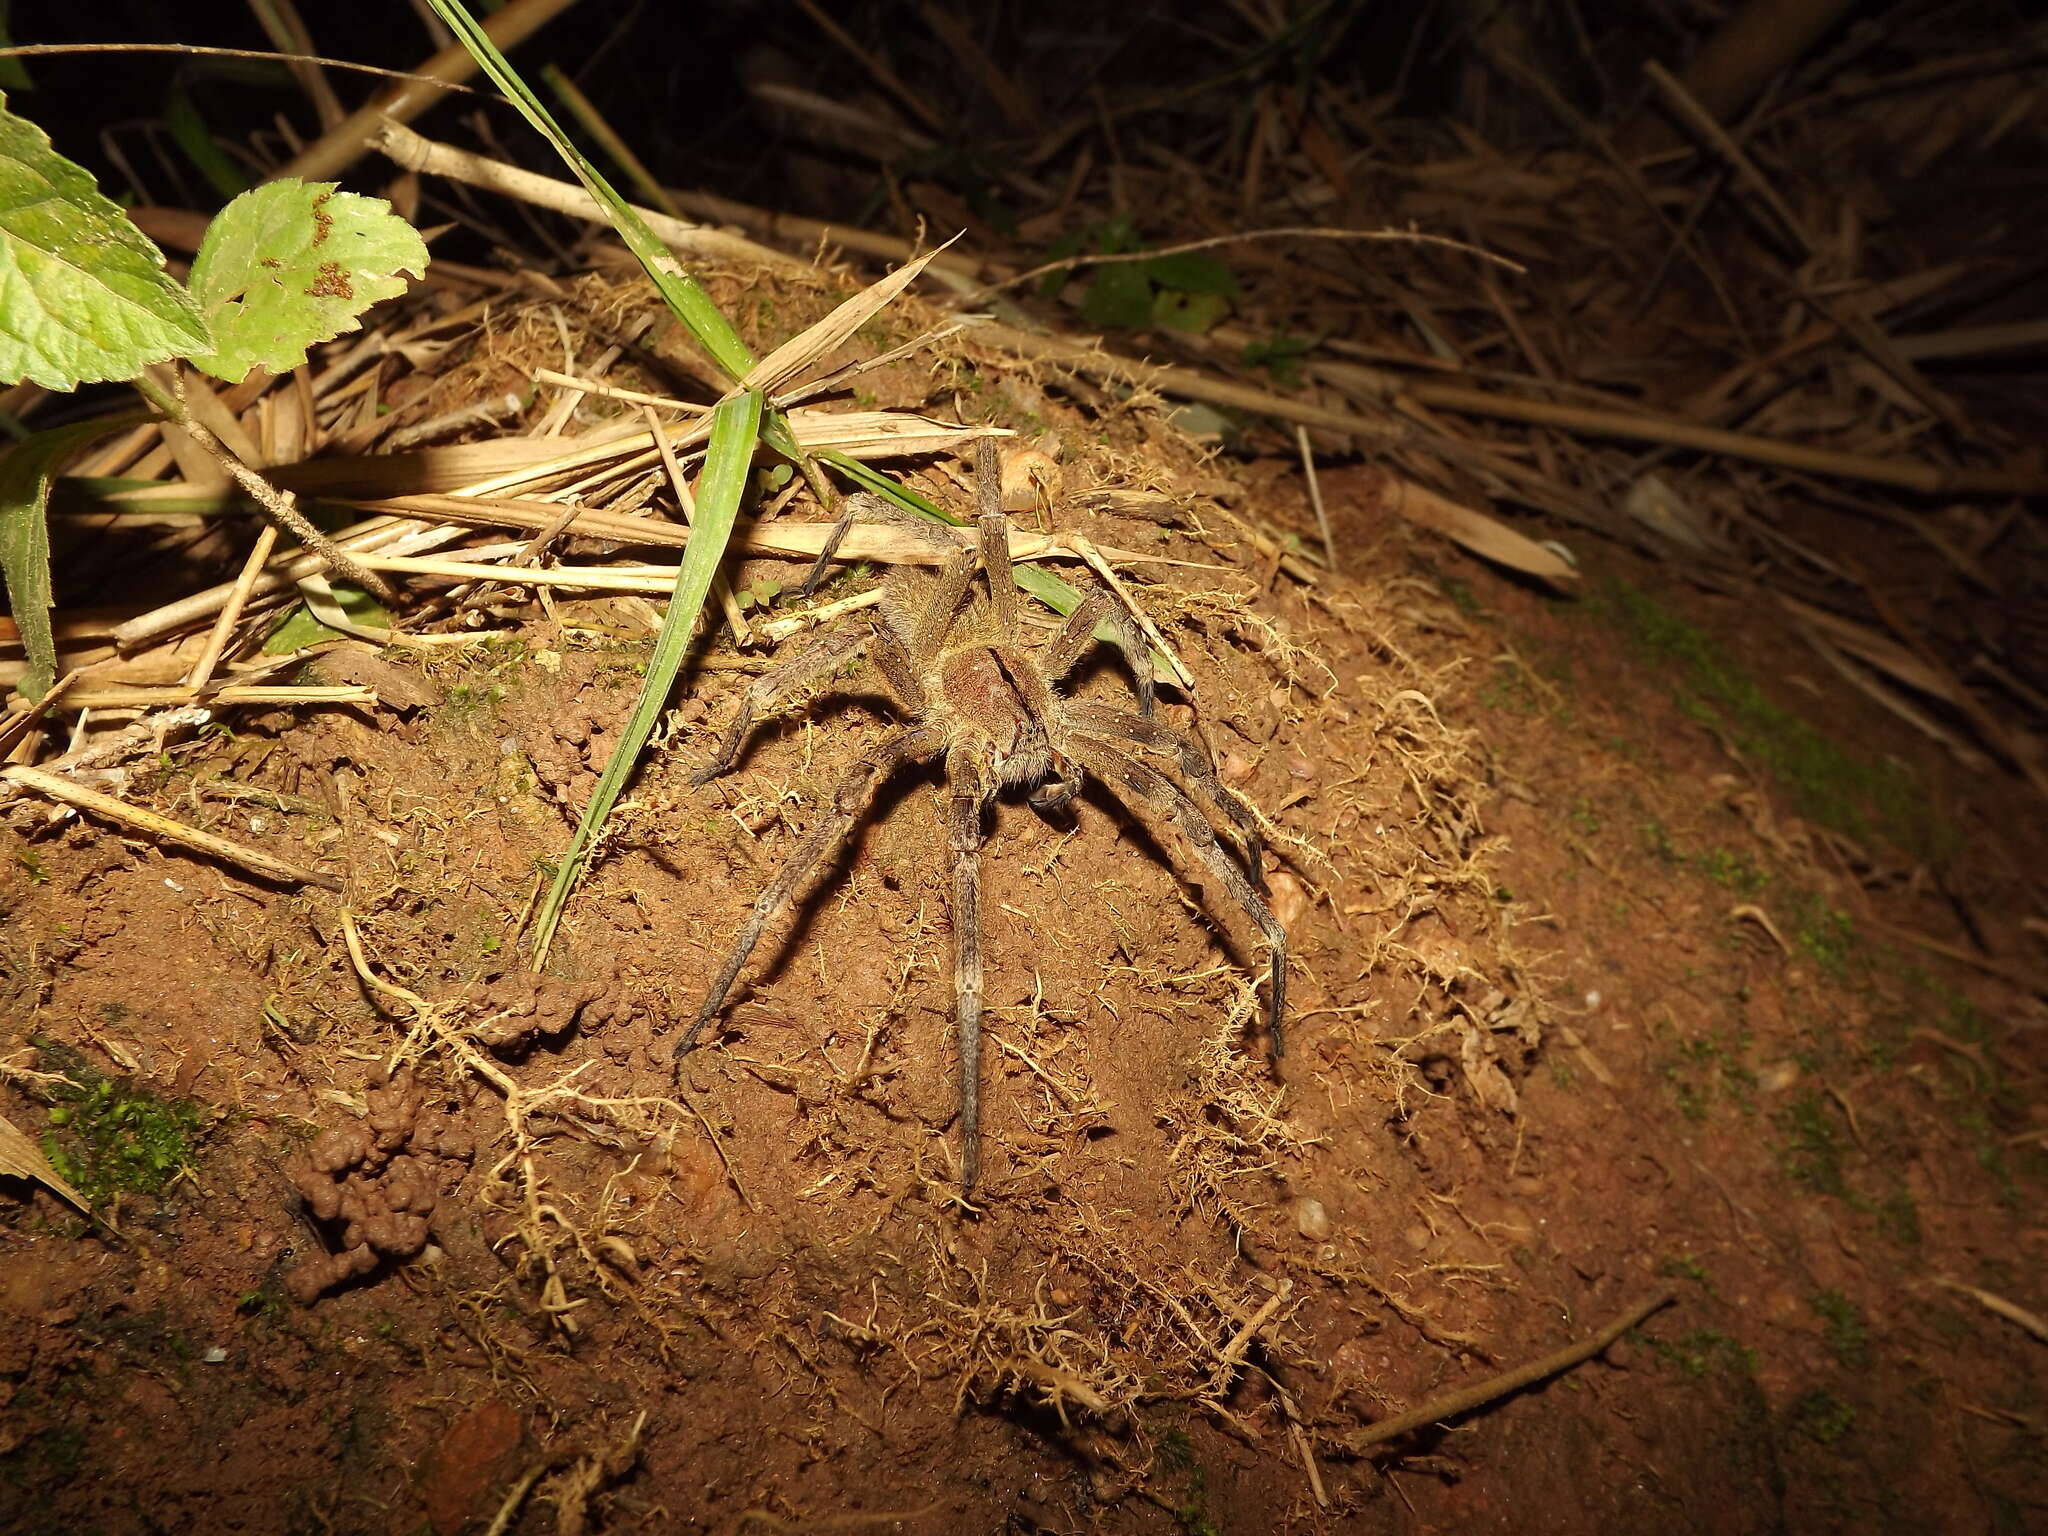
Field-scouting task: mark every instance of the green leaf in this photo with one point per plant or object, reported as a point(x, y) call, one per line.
point(1059, 250)
point(691, 304)
point(1279, 353)
point(13, 73)
point(26, 471)
point(1116, 235)
point(1191, 312)
point(201, 145)
point(87, 297)
point(1192, 272)
point(1119, 299)
point(294, 263)
point(300, 629)
point(728, 462)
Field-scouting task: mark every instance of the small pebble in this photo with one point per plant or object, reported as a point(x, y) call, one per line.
point(1289, 897)
point(1311, 1220)
point(215, 1355)
point(1237, 767)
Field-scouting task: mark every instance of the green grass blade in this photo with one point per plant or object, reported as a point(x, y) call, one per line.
point(735, 429)
point(692, 305)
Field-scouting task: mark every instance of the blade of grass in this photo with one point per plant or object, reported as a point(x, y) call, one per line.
point(692, 305)
point(735, 429)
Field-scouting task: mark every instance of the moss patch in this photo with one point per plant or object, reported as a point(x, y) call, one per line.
point(1861, 797)
point(108, 1137)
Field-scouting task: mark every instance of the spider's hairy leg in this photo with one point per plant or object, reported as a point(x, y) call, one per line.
point(821, 656)
point(849, 800)
point(1101, 720)
point(993, 530)
point(865, 507)
point(1133, 781)
point(1057, 659)
point(970, 796)
point(921, 611)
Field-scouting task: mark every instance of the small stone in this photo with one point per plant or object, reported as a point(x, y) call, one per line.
point(1311, 1220)
point(1236, 767)
point(1418, 1237)
point(1289, 898)
point(1778, 1076)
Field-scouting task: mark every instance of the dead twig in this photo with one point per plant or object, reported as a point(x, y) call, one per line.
point(1451, 1404)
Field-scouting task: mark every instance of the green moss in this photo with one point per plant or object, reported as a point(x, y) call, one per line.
point(1683, 1266)
point(1847, 1335)
point(1177, 1459)
point(467, 702)
point(1704, 1351)
point(1706, 1069)
point(1812, 1148)
point(1822, 1417)
point(1850, 793)
point(108, 1138)
point(1898, 1217)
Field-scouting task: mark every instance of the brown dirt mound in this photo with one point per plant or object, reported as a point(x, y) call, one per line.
point(1191, 1277)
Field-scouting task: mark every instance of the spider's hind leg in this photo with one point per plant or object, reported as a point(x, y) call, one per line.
point(1194, 764)
point(969, 799)
point(849, 800)
point(1132, 782)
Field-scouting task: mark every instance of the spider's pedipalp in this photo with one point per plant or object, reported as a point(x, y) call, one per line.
point(849, 799)
point(970, 793)
point(1131, 780)
point(1102, 720)
point(922, 608)
point(821, 656)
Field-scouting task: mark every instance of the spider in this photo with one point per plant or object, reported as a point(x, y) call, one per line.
point(949, 650)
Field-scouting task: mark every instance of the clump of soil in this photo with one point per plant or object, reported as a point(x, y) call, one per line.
point(376, 1184)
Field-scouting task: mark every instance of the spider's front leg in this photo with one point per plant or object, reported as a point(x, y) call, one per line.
point(814, 660)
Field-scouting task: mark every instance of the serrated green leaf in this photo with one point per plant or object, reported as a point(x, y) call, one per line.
point(293, 263)
point(87, 297)
point(26, 471)
point(1194, 313)
point(1192, 272)
point(1119, 299)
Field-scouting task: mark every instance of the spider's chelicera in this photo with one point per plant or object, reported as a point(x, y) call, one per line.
point(972, 695)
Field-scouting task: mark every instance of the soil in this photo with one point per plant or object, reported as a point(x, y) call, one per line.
point(1593, 1001)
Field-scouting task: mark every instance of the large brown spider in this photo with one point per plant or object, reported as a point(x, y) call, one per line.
point(972, 694)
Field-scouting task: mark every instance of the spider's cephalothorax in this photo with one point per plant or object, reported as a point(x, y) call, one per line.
point(972, 695)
